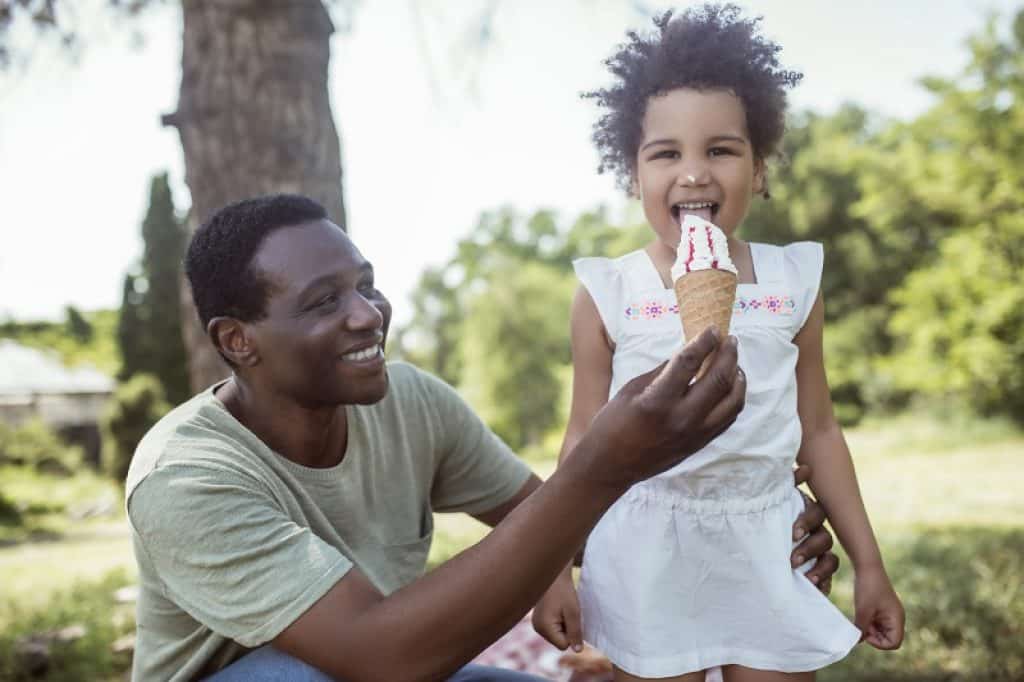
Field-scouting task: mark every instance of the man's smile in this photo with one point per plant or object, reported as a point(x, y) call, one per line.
point(367, 356)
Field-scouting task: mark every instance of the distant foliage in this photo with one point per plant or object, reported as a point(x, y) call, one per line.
point(514, 342)
point(136, 406)
point(34, 445)
point(149, 332)
point(965, 615)
point(493, 321)
point(959, 323)
point(91, 604)
point(83, 338)
point(77, 326)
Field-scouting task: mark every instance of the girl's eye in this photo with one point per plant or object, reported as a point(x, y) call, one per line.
point(719, 151)
point(666, 154)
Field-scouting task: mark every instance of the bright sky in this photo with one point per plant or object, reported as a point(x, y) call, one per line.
point(79, 143)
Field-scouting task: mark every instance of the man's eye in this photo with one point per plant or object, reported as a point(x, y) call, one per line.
point(329, 299)
point(367, 289)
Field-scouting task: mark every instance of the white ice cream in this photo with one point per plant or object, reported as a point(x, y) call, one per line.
point(703, 246)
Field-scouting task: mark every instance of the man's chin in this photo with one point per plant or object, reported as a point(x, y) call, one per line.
point(372, 394)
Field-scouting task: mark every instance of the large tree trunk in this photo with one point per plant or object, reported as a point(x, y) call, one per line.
point(254, 118)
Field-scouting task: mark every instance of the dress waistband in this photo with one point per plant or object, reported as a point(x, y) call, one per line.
point(651, 493)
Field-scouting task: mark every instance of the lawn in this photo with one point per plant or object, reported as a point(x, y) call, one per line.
point(945, 498)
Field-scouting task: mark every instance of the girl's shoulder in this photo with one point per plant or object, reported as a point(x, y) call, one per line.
point(799, 263)
point(613, 282)
point(611, 277)
point(789, 281)
point(611, 266)
point(805, 260)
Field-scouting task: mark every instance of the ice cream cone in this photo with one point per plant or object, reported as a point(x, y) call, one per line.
point(705, 281)
point(706, 298)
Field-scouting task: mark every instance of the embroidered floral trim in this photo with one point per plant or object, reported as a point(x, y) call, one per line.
point(653, 310)
point(778, 305)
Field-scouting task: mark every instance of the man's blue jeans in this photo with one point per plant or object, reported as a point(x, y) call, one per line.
point(267, 664)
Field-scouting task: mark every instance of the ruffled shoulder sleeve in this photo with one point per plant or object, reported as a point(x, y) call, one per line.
point(603, 280)
point(804, 262)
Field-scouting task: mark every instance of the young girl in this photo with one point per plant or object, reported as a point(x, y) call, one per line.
point(690, 570)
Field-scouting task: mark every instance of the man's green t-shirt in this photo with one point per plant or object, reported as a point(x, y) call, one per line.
point(235, 542)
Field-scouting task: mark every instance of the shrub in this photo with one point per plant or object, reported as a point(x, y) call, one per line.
point(89, 604)
point(965, 617)
point(34, 444)
point(136, 406)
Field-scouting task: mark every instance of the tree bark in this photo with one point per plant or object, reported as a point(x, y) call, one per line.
point(254, 117)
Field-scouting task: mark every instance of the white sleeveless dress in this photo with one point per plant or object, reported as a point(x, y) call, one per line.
point(691, 569)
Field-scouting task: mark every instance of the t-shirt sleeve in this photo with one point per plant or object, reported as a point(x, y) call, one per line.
point(227, 554)
point(602, 280)
point(476, 471)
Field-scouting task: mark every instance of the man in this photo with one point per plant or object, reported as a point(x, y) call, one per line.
point(291, 505)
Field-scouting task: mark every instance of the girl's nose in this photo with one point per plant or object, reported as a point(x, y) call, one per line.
point(693, 176)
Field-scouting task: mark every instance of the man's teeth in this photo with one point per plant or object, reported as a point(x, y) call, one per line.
point(365, 354)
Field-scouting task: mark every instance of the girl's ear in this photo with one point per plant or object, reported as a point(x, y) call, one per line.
point(761, 178)
point(634, 187)
point(231, 339)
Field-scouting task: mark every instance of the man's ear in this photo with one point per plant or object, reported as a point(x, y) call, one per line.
point(231, 338)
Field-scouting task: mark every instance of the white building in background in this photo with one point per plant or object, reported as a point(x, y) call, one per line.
point(36, 384)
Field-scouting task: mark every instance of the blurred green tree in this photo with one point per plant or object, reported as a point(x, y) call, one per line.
point(76, 325)
point(959, 323)
point(150, 328)
point(493, 320)
point(514, 340)
point(99, 350)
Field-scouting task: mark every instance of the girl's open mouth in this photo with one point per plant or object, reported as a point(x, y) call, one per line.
point(705, 210)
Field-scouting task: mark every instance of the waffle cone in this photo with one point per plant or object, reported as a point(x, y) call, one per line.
point(705, 298)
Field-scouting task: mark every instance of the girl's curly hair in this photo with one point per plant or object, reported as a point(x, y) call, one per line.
point(709, 47)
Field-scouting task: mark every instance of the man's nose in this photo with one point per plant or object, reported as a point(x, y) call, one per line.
point(364, 314)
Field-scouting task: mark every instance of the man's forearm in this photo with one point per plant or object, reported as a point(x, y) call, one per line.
point(440, 622)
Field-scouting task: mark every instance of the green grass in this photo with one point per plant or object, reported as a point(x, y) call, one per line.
point(90, 604)
point(942, 494)
point(46, 507)
point(962, 590)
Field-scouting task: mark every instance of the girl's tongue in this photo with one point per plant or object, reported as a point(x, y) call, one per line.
point(702, 213)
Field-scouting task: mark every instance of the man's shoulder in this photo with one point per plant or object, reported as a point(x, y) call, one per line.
point(418, 399)
point(409, 382)
point(197, 430)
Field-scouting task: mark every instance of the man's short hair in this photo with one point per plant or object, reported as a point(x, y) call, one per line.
point(219, 261)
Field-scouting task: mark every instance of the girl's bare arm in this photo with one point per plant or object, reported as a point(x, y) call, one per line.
point(591, 368)
point(833, 478)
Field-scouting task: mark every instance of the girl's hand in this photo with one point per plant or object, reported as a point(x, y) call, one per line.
point(879, 613)
point(556, 617)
